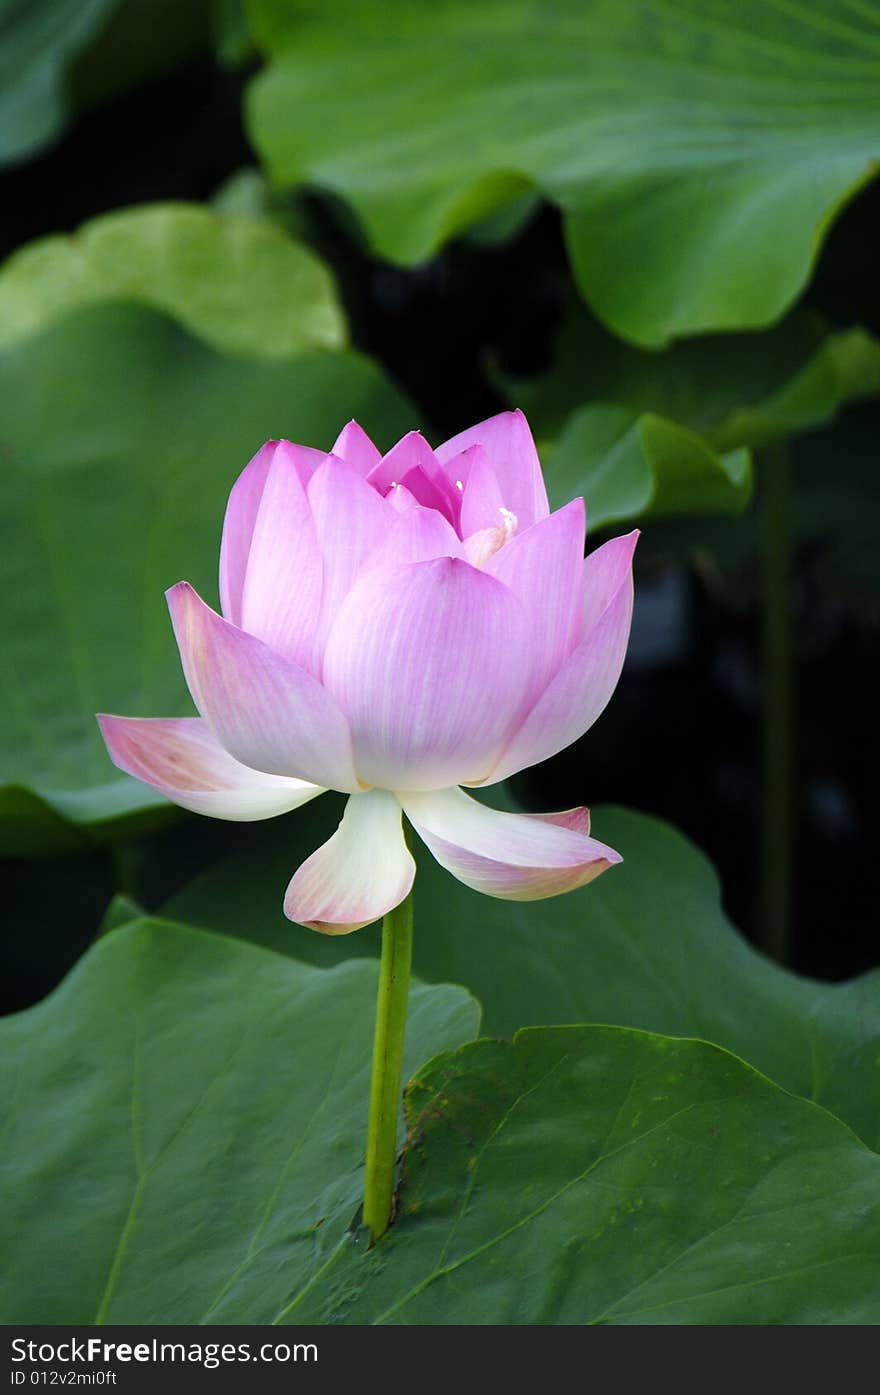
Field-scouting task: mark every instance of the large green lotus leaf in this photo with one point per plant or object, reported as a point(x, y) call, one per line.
point(735, 389)
point(184, 1127)
point(240, 284)
point(647, 945)
point(37, 42)
point(121, 439)
point(628, 466)
point(699, 152)
point(598, 1175)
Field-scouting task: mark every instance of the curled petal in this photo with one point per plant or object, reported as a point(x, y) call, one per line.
point(543, 566)
point(277, 585)
point(182, 759)
point(359, 874)
point(511, 451)
point(518, 857)
point(579, 692)
point(429, 663)
point(266, 712)
point(354, 446)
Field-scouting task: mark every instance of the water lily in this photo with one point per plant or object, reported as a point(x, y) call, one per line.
point(400, 628)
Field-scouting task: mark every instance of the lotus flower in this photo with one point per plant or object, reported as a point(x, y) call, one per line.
point(398, 628)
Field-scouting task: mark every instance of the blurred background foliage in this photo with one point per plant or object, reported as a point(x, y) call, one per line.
point(651, 226)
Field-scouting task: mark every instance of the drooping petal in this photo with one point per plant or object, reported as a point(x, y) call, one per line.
point(354, 446)
point(518, 857)
point(543, 566)
point(428, 661)
point(572, 701)
point(266, 712)
point(511, 451)
point(351, 519)
point(287, 465)
point(359, 874)
point(182, 759)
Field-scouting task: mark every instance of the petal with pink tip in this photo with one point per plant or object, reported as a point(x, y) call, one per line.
point(429, 662)
point(416, 535)
point(182, 759)
point(283, 582)
point(411, 452)
point(351, 520)
point(431, 493)
point(518, 857)
point(482, 499)
point(543, 566)
point(266, 712)
point(354, 446)
point(572, 701)
point(287, 465)
point(511, 451)
point(359, 874)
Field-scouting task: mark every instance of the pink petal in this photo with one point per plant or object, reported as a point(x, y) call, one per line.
point(431, 493)
point(283, 579)
point(268, 713)
point(351, 519)
point(429, 663)
point(511, 451)
point(543, 566)
point(578, 694)
point(482, 499)
point(416, 535)
point(518, 857)
point(360, 874)
point(354, 446)
point(411, 452)
point(182, 759)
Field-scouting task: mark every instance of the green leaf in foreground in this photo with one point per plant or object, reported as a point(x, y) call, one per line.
point(184, 1127)
point(629, 466)
point(698, 152)
point(239, 284)
point(121, 438)
point(647, 946)
point(596, 1175)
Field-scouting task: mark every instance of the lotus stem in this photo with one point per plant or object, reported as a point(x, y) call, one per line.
point(391, 1006)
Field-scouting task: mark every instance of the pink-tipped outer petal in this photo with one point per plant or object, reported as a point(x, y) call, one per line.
point(354, 446)
point(265, 711)
point(429, 663)
point(350, 519)
point(579, 692)
point(517, 857)
point(543, 567)
point(283, 580)
point(359, 874)
point(508, 443)
point(182, 759)
point(244, 507)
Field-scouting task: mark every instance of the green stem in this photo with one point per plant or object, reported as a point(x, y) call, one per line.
point(777, 704)
point(394, 970)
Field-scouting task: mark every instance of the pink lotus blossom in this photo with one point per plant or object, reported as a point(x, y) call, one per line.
point(395, 627)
